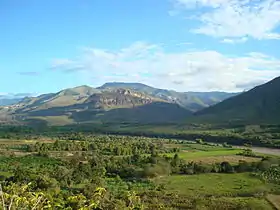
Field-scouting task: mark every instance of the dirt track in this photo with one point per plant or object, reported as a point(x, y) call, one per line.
point(264, 150)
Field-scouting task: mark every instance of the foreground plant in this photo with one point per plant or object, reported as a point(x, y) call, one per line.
point(17, 197)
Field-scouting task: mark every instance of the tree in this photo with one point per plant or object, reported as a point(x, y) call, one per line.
point(264, 165)
point(244, 166)
point(226, 167)
point(199, 141)
point(175, 162)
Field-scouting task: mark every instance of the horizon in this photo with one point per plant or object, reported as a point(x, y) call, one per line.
point(181, 45)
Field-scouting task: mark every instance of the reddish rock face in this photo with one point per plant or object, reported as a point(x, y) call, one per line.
point(119, 97)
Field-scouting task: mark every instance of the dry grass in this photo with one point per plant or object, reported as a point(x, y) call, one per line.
point(228, 158)
point(54, 120)
point(274, 200)
point(23, 141)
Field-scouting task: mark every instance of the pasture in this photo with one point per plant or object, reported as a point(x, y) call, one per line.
point(209, 153)
point(238, 188)
point(219, 185)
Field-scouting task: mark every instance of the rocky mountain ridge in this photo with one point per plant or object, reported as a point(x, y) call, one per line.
point(118, 101)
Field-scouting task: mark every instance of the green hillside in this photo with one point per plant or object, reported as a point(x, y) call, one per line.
point(259, 105)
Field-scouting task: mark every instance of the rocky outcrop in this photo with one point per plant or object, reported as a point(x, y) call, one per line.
point(118, 98)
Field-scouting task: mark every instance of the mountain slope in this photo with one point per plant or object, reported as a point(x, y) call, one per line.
point(67, 97)
point(155, 112)
point(259, 105)
point(192, 101)
point(112, 102)
point(85, 104)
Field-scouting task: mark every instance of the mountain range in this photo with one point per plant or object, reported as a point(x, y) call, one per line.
point(139, 103)
point(112, 102)
point(10, 99)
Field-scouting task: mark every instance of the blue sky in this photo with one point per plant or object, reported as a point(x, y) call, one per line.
point(186, 45)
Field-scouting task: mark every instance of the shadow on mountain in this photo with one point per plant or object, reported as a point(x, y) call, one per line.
point(157, 112)
point(258, 105)
point(56, 111)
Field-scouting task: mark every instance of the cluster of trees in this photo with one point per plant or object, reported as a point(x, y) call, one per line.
point(248, 153)
point(106, 145)
point(272, 174)
point(226, 167)
point(233, 134)
point(61, 185)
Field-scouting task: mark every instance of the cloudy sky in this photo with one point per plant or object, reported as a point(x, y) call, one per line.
point(185, 45)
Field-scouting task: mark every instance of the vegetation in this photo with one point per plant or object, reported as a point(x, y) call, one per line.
point(84, 170)
point(259, 105)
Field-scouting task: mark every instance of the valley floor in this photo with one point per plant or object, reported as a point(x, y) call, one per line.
point(138, 172)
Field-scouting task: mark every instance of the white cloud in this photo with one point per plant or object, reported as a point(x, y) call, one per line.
point(183, 44)
point(234, 41)
point(3, 94)
point(257, 19)
point(185, 71)
point(67, 65)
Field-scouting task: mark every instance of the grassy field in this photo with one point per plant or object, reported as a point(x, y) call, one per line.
point(54, 120)
point(238, 188)
point(198, 154)
point(255, 203)
point(233, 159)
point(232, 185)
point(210, 154)
point(207, 153)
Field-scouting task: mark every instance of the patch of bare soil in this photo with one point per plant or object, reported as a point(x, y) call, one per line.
point(274, 200)
point(228, 158)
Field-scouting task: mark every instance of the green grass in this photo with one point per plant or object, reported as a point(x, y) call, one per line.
point(190, 155)
point(116, 186)
point(54, 120)
point(250, 202)
point(193, 146)
point(11, 163)
point(230, 185)
point(202, 147)
point(5, 173)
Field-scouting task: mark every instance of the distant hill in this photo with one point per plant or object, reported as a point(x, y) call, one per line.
point(112, 102)
point(86, 104)
point(10, 99)
point(259, 105)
